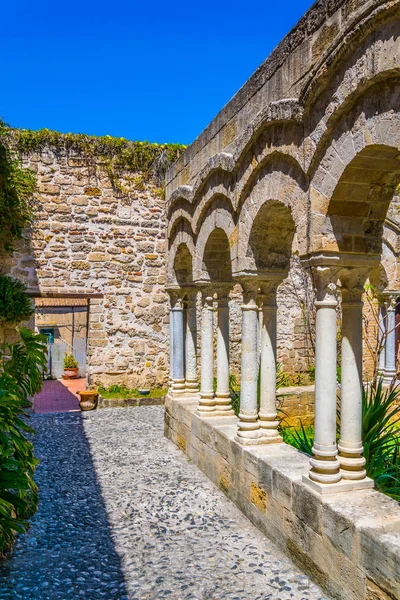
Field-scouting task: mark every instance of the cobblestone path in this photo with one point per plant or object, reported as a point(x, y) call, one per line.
point(124, 514)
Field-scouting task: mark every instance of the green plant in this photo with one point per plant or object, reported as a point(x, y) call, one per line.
point(21, 367)
point(302, 438)
point(70, 362)
point(380, 436)
point(17, 186)
point(15, 305)
point(129, 165)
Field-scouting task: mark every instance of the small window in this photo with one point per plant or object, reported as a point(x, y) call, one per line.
point(49, 332)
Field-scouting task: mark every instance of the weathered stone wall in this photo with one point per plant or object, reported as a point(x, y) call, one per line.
point(89, 239)
point(348, 542)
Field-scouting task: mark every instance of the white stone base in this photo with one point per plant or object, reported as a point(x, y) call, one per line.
point(344, 485)
point(214, 413)
point(257, 441)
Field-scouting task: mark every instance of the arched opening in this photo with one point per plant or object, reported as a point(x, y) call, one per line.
point(183, 265)
point(217, 257)
point(361, 199)
point(271, 237)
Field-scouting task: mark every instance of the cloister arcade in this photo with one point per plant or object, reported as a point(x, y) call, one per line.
point(311, 177)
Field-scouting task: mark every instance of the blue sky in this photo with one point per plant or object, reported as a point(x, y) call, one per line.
point(139, 69)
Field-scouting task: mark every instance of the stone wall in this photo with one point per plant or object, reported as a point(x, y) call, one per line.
point(335, 538)
point(89, 239)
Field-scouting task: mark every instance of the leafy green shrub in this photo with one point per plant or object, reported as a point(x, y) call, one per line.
point(70, 362)
point(15, 305)
point(380, 436)
point(20, 377)
point(17, 186)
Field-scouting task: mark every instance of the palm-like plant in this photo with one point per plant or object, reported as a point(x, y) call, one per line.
point(380, 435)
point(20, 377)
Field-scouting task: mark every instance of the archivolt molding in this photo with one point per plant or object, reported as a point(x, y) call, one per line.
point(181, 237)
point(219, 218)
point(209, 203)
point(281, 112)
point(346, 42)
point(272, 186)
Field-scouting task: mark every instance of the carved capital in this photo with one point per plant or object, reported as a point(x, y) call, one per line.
point(390, 299)
point(325, 284)
point(207, 300)
point(267, 295)
point(176, 298)
point(222, 293)
point(352, 280)
point(250, 290)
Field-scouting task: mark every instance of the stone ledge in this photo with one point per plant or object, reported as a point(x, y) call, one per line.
point(348, 542)
point(130, 402)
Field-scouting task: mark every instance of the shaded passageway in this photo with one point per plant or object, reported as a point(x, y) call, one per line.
point(59, 396)
point(123, 514)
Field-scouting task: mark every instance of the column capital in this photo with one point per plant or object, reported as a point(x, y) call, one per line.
point(389, 298)
point(207, 299)
point(250, 287)
point(222, 293)
point(325, 284)
point(352, 282)
point(176, 296)
point(268, 289)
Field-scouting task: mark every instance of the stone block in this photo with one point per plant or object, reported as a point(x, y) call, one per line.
point(307, 506)
point(379, 556)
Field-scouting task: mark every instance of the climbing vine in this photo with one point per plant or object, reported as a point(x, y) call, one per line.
point(17, 186)
point(129, 165)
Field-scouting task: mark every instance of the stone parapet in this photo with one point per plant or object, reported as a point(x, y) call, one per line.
point(349, 543)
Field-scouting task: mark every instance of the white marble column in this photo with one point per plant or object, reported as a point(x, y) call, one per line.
point(171, 345)
point(382, 338)
point(268, 413)
point(207, 401)
point(191, 383)
point(351, 449)
point(325, 466)
point(390, 344)
point(222, 396)
point(178, 344)
point(249, 427)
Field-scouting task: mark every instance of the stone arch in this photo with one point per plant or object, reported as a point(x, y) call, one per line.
point(267, 246)
point(358, 174)
point(180, 255)
point(365, 55)
point(348, 213)
point(183, 265)
point(278, 188)
point(218, 232)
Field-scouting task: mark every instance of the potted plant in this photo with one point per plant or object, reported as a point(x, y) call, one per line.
point(71, 366)
point(88, 399)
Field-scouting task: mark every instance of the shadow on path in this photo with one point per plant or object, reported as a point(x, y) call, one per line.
point(57, 396)
point(68, 551)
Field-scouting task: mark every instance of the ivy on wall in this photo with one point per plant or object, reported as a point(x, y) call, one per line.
point(17, 187)
point(129, 165)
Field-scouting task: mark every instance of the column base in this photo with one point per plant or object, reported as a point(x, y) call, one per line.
point(257, 441)
point(214, 413)
point(178, 386)
point(344, 485)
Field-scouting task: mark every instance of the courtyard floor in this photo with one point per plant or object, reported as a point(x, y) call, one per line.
point(59, 395)
point(124, 514)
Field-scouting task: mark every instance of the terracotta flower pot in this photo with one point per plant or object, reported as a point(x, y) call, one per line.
point(71, 373)
point(89, 399)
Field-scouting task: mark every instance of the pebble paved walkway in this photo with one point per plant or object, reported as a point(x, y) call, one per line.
point(124, 515)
